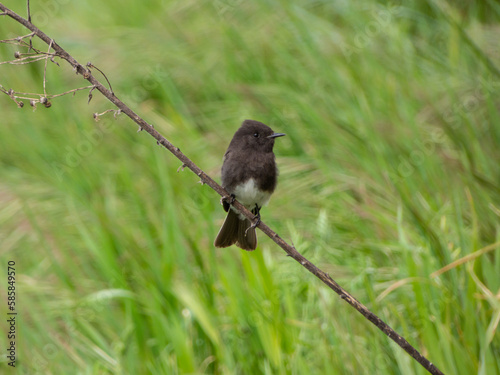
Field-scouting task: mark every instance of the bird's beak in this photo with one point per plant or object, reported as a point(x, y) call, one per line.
point(274, 135)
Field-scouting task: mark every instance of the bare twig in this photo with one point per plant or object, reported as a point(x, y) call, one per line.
point(90, 65)
point(19, 39)
point(24, 60)
point(29, 20)
point(45, 68)
point(205, 179)
point(116, 113)
point(37, 98)
point(69, 92)
point(90, 93)
point(11, 95)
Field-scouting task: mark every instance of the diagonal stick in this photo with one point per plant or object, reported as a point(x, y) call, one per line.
point(186, 162)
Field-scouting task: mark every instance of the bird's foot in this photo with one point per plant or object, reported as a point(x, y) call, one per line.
point(227, 201)
point(256, 212)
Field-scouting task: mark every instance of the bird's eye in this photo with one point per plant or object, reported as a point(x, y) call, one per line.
point(256, 135)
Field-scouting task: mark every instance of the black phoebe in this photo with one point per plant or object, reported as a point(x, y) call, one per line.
point(249, 174)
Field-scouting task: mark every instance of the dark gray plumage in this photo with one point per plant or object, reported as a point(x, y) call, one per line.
point(249, 173)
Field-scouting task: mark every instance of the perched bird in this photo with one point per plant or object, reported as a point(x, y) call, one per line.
point(249, 174)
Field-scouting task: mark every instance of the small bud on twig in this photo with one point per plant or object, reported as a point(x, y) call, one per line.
point(90, 92)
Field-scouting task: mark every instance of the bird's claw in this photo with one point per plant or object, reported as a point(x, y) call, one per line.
point(227, 201)
point(256, 212)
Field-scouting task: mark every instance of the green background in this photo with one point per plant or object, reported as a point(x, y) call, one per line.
point(389, 172)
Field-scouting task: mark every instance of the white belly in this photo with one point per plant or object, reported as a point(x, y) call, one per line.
point(248, 195)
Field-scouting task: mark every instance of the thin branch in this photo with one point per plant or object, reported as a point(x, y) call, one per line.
point(116, 113)
point(90, 65)
point(29, 20)
point(24, 60)
point(45, 68)
point(37, 98)
point(205, 179)
point(17, 40)
point(11, 95)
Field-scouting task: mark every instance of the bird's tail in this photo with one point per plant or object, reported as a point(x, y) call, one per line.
point(236, 231)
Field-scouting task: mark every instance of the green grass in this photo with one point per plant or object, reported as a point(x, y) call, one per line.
point(389, 172)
